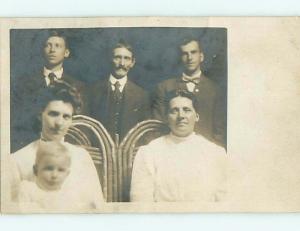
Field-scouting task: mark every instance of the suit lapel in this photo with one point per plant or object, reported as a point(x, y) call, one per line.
point(128, 97)
point(202, 88)
point(40, 80)
point(180, 84)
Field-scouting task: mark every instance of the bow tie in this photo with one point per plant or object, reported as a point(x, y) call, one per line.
point(189, 79)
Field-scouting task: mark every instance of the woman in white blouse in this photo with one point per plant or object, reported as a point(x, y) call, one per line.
point(180, 166)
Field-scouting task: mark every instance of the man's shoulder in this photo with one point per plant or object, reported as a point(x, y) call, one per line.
point(72, 80)
point(209, 82)
point(167, 85)
point(98, 84)
point(169, 82)
point(133, 86)
point(30, 79)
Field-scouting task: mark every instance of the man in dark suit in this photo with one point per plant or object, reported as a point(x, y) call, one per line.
point(24, 92)
point(118, 103)
point(211, 119)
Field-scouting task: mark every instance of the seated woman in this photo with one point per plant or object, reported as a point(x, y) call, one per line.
point(180, 166)
point(56, 107)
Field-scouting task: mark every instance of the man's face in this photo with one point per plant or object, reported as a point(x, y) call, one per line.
point(122, 62)
point(191, 57)
point(55, 51)
point(182, 116)
point(56, 120)
point(51, 171)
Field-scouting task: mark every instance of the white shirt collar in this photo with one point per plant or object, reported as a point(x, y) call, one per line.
point(122, 82)
point(197, 74)
point(58, 74)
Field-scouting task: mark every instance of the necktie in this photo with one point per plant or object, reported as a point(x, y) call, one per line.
point(189, 79)
point(117, 92)
point(52, 77)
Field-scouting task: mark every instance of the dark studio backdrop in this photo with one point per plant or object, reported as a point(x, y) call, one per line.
point(156, 52)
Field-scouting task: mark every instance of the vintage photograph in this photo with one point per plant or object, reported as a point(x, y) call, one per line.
point(88, 105)
point(104, 116)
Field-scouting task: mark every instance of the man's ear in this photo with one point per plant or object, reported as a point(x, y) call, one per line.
point(67, 53)
point(133, 62)
point(197, 117)
point(201, 56)
point(35, 170)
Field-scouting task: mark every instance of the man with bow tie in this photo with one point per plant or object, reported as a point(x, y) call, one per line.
point(24, 92)
point(117, 102)
point(210, 125)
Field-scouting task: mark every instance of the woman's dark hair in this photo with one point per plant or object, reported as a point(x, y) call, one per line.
point(60, 91)
point(181, 93)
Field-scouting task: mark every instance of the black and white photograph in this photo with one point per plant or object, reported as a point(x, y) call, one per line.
point(142, 117)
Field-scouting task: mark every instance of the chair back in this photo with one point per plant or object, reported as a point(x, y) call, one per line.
point(91, 135)
point(139, 135)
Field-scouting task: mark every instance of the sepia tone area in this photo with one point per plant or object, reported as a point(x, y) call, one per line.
point(263, 114)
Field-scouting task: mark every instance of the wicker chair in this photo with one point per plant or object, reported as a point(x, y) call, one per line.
point(139, 135)
point(91, 135)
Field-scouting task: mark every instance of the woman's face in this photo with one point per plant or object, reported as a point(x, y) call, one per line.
point(56, 120)
point(182, 116)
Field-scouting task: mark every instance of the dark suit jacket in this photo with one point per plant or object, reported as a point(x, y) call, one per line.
point(24, 105)
point(136, 106)
point(210, 125)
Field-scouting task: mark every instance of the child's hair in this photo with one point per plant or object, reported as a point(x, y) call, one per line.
point(51, 148)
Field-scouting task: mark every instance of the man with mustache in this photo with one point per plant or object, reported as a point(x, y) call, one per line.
point(211, 123)
point(24, 92)
point(118, 103)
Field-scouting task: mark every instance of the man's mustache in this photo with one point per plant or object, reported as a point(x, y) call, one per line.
point(122, 68)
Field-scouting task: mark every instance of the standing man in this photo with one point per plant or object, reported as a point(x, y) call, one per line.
point(211, 123)
point(118, 103)
point(24, 92)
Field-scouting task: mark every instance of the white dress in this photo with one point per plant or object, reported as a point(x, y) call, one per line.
point(176, 169)
point(83, 178)
point(33, 198)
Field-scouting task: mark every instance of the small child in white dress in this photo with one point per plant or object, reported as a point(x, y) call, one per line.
point(46, 194)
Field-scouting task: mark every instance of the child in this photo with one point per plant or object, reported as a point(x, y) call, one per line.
point(46, 193)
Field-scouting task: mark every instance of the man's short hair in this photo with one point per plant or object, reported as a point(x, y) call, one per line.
point(57, 33)
point(179, 93)
point(123, 44)
point(185, 41)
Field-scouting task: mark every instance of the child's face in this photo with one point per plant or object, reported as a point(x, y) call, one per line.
point(51, 171)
